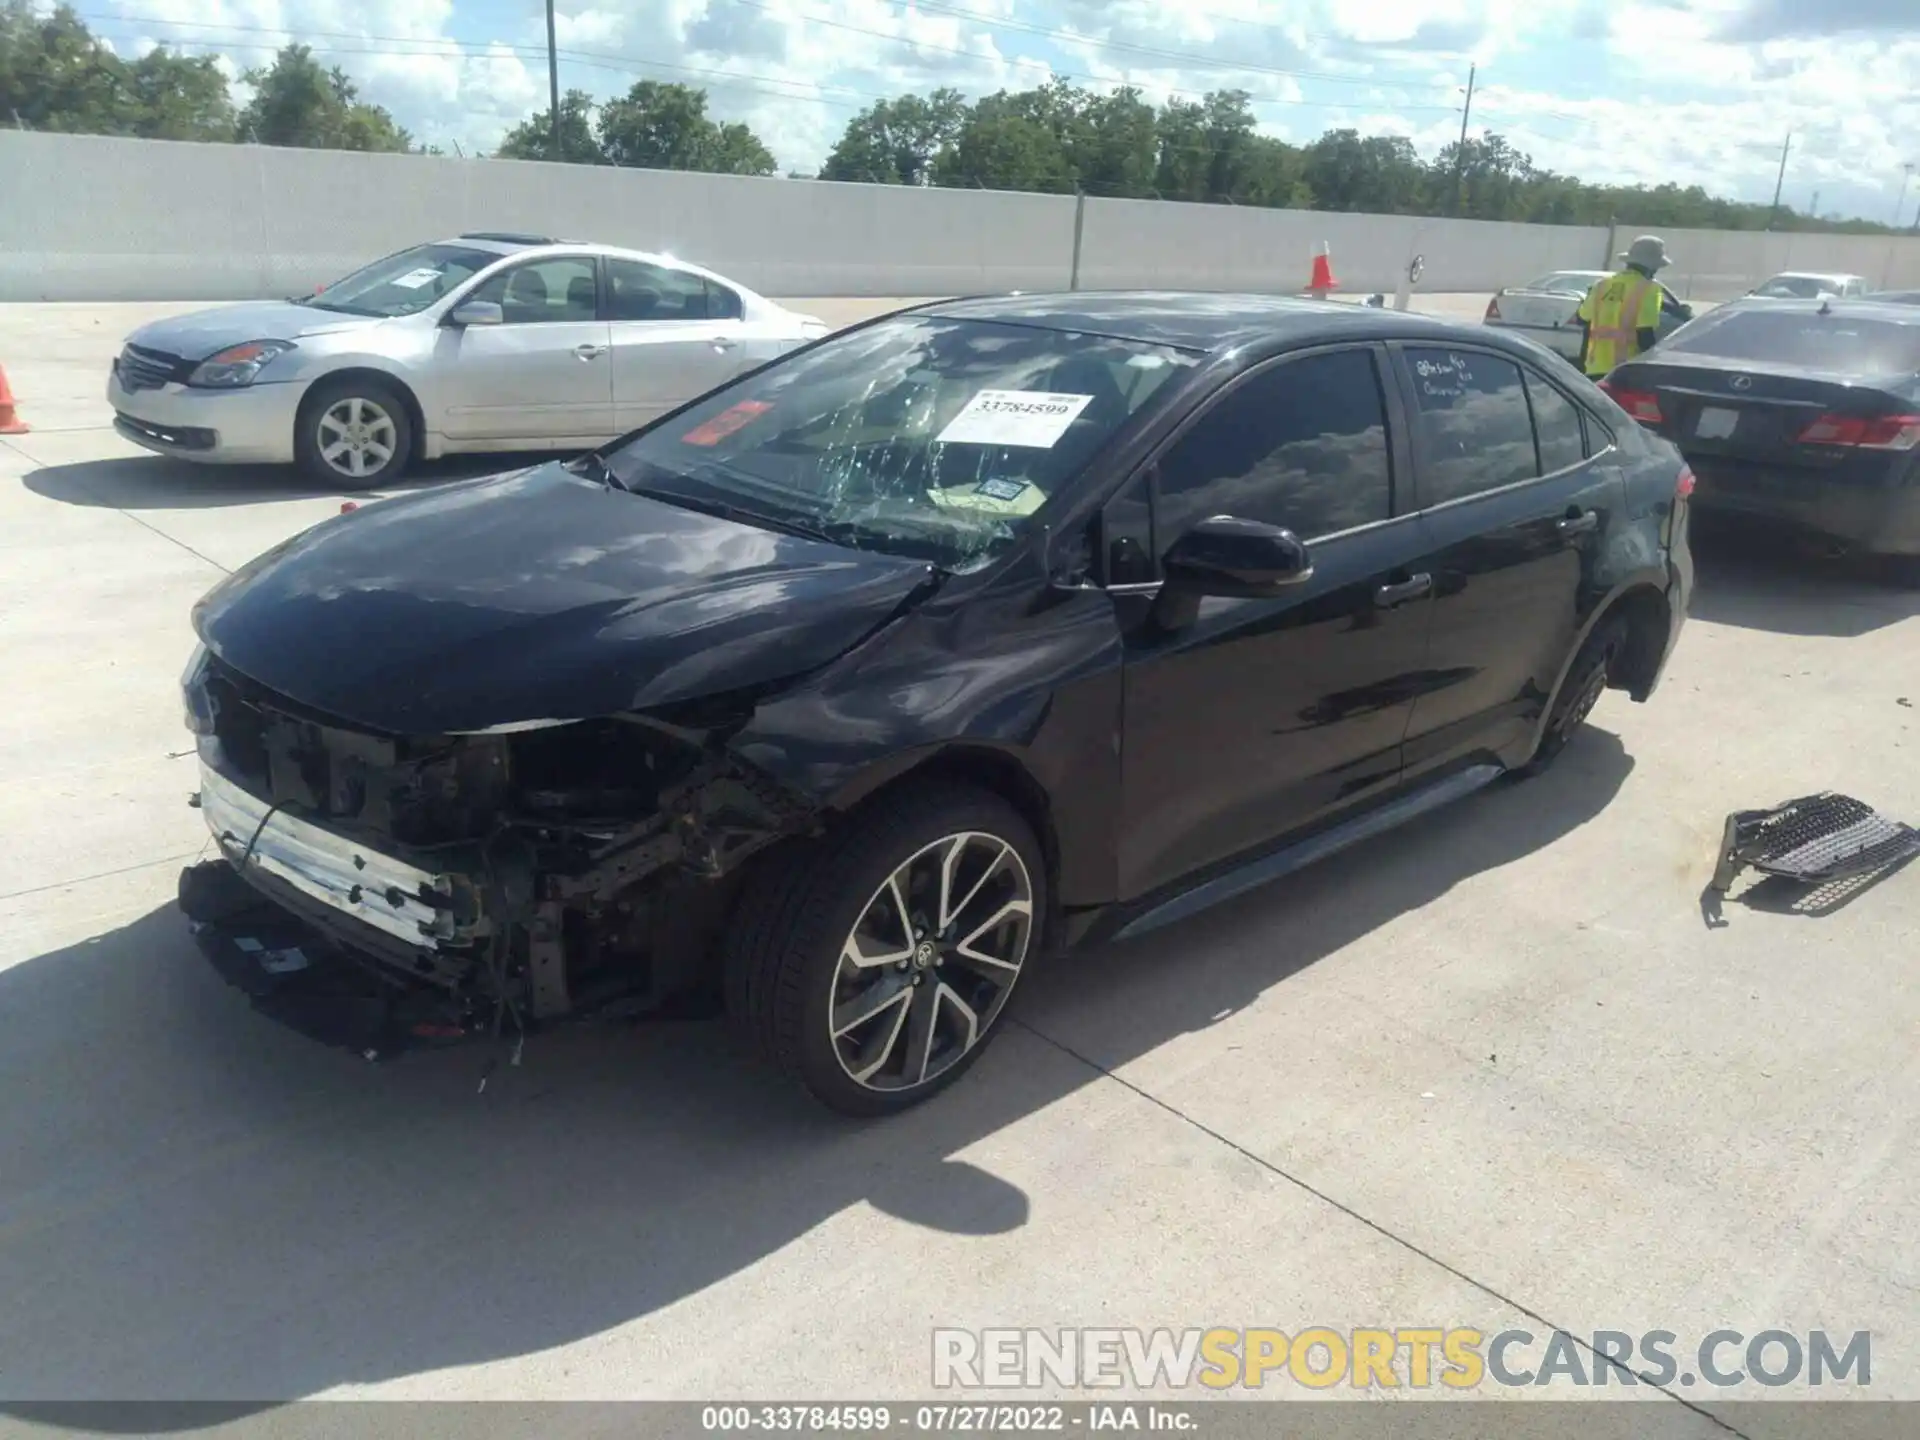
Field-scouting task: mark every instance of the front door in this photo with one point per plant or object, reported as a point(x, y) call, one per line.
point(1513, 510)
point(1246, 719)
point(543, 375)
point(675, 336)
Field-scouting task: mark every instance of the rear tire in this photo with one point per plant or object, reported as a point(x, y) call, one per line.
point(353, 433)
point(871, 1009)
point(1580, 691)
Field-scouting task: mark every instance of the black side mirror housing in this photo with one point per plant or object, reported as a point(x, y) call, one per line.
point(1238, 559)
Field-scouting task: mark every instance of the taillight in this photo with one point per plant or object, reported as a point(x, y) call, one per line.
point(1642, 405)
point(1881, 432)
point(1683, 487)
point(1493, 310)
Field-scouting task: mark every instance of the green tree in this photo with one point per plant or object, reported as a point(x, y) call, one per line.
point(179, 97)
point(664, 126)
point(895, 142)
point(1380, 174)
point(298, 103)
point(55, 76)
point(1115, 147)
point(532, 138)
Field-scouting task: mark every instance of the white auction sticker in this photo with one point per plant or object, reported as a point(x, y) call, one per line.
point(1032, 418)
point(414, 279)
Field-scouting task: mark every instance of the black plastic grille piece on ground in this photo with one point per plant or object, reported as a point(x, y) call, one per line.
point(1815, 840)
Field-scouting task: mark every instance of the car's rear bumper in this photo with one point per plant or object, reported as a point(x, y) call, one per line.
point(250, 425)
point(1877, 518)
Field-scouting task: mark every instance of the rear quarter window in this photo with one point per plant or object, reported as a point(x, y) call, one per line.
point(1850, 343)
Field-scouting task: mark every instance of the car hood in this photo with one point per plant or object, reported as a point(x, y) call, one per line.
point(201, 333)
point(539, 596)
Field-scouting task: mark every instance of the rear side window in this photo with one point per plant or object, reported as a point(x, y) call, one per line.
point(1556, 424)
point(1301, 444)
point(1847, 343)
point(658, 292)
point(1473, 430)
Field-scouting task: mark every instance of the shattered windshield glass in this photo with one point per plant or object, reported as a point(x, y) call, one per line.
point(922, 436)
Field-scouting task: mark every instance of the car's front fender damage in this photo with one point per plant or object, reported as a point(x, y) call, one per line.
point(379, 891)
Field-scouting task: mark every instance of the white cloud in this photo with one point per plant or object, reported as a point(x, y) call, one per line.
point(1689, 91)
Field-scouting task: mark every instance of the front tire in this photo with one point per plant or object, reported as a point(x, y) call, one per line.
point(873, 968)
point(1585, 683)
point(353, 434)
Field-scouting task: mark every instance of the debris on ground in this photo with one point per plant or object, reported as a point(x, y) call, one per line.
point(1830, 845)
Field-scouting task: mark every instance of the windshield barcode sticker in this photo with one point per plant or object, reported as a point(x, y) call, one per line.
point(1035, 419)
point(414, 279)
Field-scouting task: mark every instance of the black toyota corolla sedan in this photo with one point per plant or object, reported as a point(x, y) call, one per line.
point(840, 694)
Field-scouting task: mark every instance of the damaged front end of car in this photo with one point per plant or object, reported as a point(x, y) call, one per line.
point(381, 892)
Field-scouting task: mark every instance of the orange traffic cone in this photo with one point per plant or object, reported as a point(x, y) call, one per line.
point(10, 421)
point(1321, 281)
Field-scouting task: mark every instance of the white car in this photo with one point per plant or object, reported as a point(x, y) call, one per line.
point(485, 342)
point(1811, 285)
point(1543, 310)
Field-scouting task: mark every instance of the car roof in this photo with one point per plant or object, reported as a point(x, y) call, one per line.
point(496, 243)
point(1873, 305)
point(1811, 275)
point(1195, 320)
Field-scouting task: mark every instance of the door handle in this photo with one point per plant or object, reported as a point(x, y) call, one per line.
point(1388, 596)
point(724, 345)
point(1578, 524)
point(589, 352)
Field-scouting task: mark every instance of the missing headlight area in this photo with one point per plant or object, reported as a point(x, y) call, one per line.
point(468, 883)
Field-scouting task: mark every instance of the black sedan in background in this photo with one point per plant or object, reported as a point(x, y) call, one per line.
point(843, 692)
point(1797, 412)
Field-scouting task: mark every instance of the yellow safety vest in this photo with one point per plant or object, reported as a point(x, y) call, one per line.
point(1615, 311)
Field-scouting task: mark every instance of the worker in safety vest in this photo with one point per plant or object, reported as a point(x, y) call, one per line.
point(1621, 315)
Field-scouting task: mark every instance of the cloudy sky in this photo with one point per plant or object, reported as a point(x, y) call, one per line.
point(1696, 91)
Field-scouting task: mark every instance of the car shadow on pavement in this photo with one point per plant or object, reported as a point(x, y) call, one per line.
point(1758, 579)
point(199, 1205)
point(154, 482)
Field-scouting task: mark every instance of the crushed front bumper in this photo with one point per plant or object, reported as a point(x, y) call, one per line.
point(415, 906)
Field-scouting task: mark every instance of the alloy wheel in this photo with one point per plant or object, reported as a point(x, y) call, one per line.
point(929, 964)
point(357, 437)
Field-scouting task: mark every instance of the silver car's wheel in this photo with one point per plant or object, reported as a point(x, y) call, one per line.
point(357, 437)
point(929, 965)
point(354, 432)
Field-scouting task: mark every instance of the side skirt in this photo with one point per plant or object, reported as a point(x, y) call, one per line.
point(1271, 866)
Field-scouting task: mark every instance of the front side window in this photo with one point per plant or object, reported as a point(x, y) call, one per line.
point(1472, 429)
point(403, 284)
point(641, 291)
point(543, 291)
point(1302, 444)
point(922, 435)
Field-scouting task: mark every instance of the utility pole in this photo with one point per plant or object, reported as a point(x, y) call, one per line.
point(1779, 180)
point(1905, 180)
point(553, 87)
point(1814, 208)
point(1460, 154)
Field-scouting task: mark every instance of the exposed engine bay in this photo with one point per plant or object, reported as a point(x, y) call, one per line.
point(479, 883)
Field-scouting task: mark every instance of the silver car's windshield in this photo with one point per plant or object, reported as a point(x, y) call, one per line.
point(1567, 282)
point(922, 436)
point(405, 283)
point(1798, 287)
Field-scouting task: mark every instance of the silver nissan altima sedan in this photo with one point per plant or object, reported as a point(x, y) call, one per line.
point(485, 342)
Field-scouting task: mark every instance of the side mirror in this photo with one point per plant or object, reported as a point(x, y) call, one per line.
point(476, 312)
point(1240, 559)
point(1686, 310)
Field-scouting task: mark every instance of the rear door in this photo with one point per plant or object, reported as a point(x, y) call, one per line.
point(1515, 492)
point(676, 335)
point(542, 376)
point(1245, 719)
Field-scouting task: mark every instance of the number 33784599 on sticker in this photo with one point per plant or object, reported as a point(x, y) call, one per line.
point(1035, 419)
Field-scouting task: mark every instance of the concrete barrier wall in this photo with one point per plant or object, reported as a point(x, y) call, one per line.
point(1130, 244)
point(87, 217)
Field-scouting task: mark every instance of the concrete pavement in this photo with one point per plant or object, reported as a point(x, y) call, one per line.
point(1493, 1070)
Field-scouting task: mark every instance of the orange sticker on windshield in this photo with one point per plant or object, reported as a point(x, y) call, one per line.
point(734, 417)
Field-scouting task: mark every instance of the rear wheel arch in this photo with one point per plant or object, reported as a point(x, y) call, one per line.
point(1642, 607)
